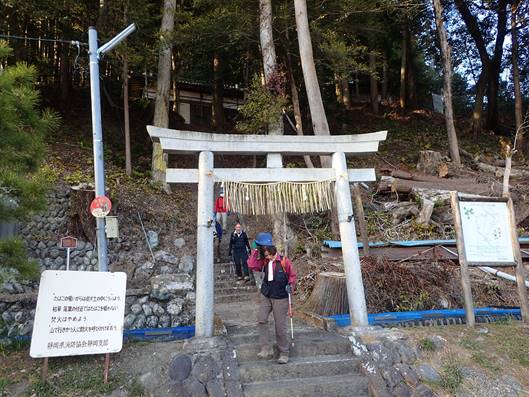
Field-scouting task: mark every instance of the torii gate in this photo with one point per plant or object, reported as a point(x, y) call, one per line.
point(188, 142)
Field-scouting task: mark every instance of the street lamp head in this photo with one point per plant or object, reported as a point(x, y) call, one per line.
point(116, 40)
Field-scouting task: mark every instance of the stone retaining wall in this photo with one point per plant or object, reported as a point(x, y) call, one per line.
point(160, 289)
point(391, 364)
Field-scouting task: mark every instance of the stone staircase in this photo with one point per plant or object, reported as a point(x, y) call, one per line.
point(227, 288)
point(321, 363)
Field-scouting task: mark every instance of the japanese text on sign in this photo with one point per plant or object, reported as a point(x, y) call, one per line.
point(79, 313)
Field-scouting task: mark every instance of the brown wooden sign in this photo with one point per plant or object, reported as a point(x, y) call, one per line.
point(68, 242)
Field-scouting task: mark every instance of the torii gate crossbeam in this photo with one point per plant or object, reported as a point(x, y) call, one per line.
point(175, 141)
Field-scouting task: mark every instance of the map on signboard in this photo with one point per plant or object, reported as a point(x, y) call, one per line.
point(486, 232)
point(79, 313)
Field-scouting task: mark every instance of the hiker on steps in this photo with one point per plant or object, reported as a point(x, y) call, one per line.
point(278, 282)
point(221, 211)
point(217, 239)
point(239, 247)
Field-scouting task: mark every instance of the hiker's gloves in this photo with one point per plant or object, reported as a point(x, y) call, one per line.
point(288, 288)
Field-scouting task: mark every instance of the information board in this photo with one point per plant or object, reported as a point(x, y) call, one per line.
point(486, 232)
point(79, 313)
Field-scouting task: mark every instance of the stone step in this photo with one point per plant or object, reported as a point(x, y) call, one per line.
point(304, 346)
point(225, 277)
point(250, 330)
point(232, 282)
point(223, 265)
point(321, 386)
point(299, 333)
point(299, 367)
point(235, 289)
point(246, 297)
point(224, 271)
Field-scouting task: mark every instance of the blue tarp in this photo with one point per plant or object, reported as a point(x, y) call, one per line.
point(411, 243)
point(160, 333)
point(343, 320)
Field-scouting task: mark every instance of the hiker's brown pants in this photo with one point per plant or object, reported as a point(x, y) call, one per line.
point(279, 309)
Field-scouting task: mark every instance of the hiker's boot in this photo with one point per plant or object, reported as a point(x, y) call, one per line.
point(283, 358)
point(266, 353)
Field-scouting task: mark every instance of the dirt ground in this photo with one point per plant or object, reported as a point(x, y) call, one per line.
point(138, 369)
point(489, 360)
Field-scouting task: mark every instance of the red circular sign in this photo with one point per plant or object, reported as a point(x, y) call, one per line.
point(100, 206)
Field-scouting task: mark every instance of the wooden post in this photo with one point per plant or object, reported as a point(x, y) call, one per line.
point(205, 225)
point(520, 272)
point(107, 366)
point(44, 374)
point(465, 279)
point(359, 206)
point(351, 259)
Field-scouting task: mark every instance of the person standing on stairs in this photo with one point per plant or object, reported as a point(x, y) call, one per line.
point(217, 239)
point(221, 211)
point(239, 247)
point(278, 282)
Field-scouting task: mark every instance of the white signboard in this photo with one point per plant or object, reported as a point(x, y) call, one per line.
point(438, 103)
point(486, 232)
point(111, 226)
point(79, 313)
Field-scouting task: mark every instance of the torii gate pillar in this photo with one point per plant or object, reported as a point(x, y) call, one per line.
point(351, 258)
point(205, 224)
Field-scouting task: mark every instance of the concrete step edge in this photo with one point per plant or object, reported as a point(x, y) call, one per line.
point(300, 333)
point(332, 358)
point(346, 379)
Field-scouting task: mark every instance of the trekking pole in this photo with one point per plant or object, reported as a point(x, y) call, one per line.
point(291, 321)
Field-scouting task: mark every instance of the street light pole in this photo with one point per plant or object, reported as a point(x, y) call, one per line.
point(97, 133)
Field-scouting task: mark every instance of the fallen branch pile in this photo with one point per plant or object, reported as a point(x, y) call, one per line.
point(394, 286)
point(406, 182)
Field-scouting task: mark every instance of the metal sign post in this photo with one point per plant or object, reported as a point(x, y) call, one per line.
point(68, 243)
point(95, 52)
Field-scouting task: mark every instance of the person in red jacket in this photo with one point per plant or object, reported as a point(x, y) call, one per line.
point(221, 211)
point(279, 280)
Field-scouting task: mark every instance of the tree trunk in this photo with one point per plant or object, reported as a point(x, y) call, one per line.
point(295, 104)
point(404, 68)
point(66, 76)
point(81, 223)
point(338, 89)
point(163, 85)
point(346, 94)
point(385, 77)
point(477, 113)
point(320, 125)
point(217, 108)
point(128, 161)
point(357, 85)
point(174, 85)
point(329, 295)
point(490, 68)
point(268, 49)
point(522, 140)
point(317, 111)
point(411, 80)
point(282, 231)
point(495, 67)
point(373, 83)
point(360, 216)
point(429, 162)
point(447, 82)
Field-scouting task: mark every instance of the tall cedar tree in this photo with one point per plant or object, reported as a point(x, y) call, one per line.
point(23, 127)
